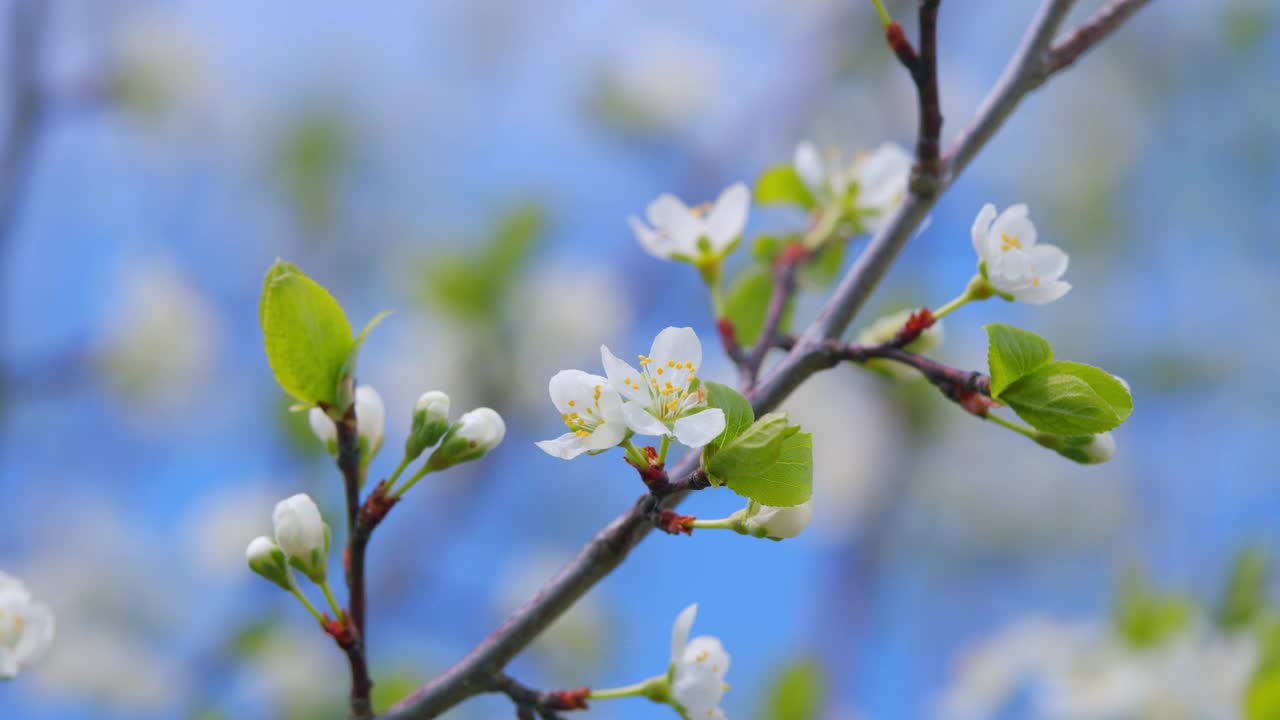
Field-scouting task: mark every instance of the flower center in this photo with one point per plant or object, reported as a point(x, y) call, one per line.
point(700, 211)
point(670, 387)
point(1007, 243)
point(585, 421)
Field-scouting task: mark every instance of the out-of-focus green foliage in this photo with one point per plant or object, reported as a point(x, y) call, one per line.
point(747, 303)
point(781, 185)
point(311, 155)
point(392, 687)
point(474, 287)
point(1244, 599)
point(1146, 618)
point(796, 694)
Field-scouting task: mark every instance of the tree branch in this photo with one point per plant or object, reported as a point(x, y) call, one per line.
point(353, 564)
point(1108, 17)
point(476, 671)
point(784, 289)
point(547, 705)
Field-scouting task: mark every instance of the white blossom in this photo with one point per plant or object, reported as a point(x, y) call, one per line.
point(590, 408)
point(26, 627)
point(698, 668)
point(779, 522)
point(1012, 261)
point(483, 428)
point(681, 232)
point(665, 397)
point(301, 533)
point(433, 404)
point(267, 559)
point(881, 177)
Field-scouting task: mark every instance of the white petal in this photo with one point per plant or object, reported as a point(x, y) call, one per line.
point(1049, 262)
point(728, 217)
point(573, 386)
point(883, 178)
point(605, 436)
point(566, 447)
point(700, 428)
point(673, 219)
point(1010, 271)
point(37, 634)
point(1014, 223)
point(707, 651)
point(8, 663)
point(1045, 292)
point(322, 426)
point(783, 522)
point(10, 585)
point(697, 688)
point(371, 414)
point(617, 370)
point(808, 164)
point(680, 631)
point(653, 242)
point(982, 228)
point(642, 421)
point(678, 344)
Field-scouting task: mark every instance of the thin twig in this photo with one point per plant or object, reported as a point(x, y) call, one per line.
point(1108, 17)
point(353, 562)
point(547, 705)
point(475, 672)
point(784, 290)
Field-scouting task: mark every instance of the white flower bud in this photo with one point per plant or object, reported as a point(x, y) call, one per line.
point(302, 535)
point(475, 434)
point(1084, 449)
point(371, 420)
point(430, 422)
point(322, 425)
point(26, 628)
point(1101, 448)
point(483, 428)
point(267, 559)
point(779, 522)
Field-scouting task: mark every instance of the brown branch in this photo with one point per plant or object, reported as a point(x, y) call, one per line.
point(475, 672)
point(928, 137)
point(1103, 22)
point(547, 705)
point(784, 290)
point(353, 564)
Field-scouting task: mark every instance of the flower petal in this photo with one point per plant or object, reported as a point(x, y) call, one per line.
point(981, 229)
point(8, 663)
point(808, 165)
point(605, 436)
point(700, 428)
point(573, 390)
point(680, 631)
point(728, 217)
point(707, 651)
point(1048, 262)
point(1015, 224)
point(566, 447)
point(37, 634)
point(673, 219)
point(653, 242)
point(883, 177)
point(697, 689)
point(642, 421)
point(680, 345)
point(1045, 292)
point(617, 370)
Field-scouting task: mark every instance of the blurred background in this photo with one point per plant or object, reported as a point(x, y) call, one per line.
point(470, 165)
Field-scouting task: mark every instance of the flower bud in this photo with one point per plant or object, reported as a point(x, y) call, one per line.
point(430, 422)
point(267, 559)
point(302, 535)
point(1084, 449)
point(475, 434)
point(778, 523)
point(322, 425)
point(371, 419)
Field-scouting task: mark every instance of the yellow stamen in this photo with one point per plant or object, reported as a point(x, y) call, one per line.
point(1008, 243)
point(572, 403)
point(659, 371)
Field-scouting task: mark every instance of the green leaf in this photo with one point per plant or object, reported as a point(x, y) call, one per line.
point(748, 303)
point(796, 694)
point(738, 414)
point(766, 248)
point(1244, 600)
point(1069, 399)
point(771, 463)
point(306, 334)
point(1013, 353)
point(476, 286)
point(1262, 699)
point(824, 268)
point(781, 185)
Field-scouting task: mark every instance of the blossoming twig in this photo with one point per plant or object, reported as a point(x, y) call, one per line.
point(353, 561)
point(1109, 17)
point(473, 673)
point(546, 704)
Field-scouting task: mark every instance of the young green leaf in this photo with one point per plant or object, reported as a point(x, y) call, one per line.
point(1244, 600)
point(306, 334)
point(1013, 353)
point(346, 378)
point(781, 185)
point(1069, 399)
point(738, 415)
point(772, 463)
point(748, 303)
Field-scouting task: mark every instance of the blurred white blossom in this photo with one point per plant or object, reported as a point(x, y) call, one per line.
point(26, 627)
point(159, 339)
point(661, 82)
point(158, 64)
point(698, 669)
point(681, 232)
point(218, 526)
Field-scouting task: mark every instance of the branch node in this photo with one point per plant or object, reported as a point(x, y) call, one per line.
point(672, 523)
